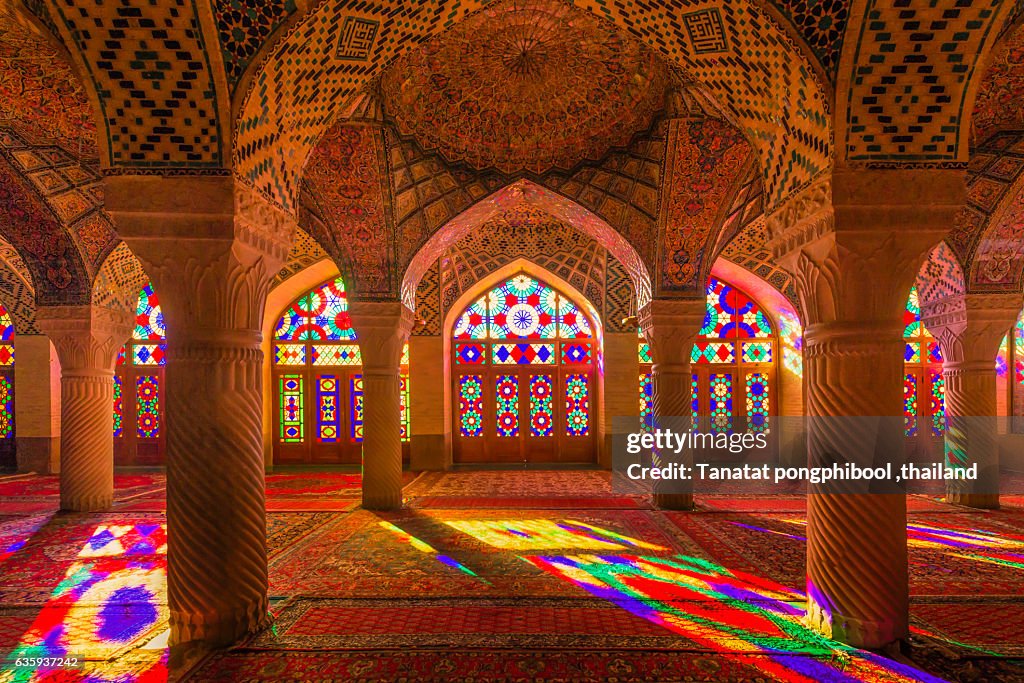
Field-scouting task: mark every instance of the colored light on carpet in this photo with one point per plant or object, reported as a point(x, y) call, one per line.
point(425, 547)
point(729, 612)
point(111, 601)
point(546, 534)
point(14, 537)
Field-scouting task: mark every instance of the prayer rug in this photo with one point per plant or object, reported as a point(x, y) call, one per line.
point(530, 503)
point(980, 627)
point(516, 484)
point(798, 504)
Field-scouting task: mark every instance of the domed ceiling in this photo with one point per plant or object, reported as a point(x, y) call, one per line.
point(527, 85)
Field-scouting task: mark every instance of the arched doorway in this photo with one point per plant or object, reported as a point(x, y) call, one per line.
point(139, 437)
point(318, 384)
point(524, 362)
point(733, 366)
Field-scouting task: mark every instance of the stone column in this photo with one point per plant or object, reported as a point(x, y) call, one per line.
point(211, 249)
point(87, 339)
point(670, 327)
point(854, 258)
point(382, 328)
point(969, 328)
point(37, 403)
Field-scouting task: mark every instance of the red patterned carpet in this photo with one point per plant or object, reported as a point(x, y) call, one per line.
point(544, 588)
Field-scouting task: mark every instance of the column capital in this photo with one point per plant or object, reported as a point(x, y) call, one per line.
point(382, 328)
point(854, 240)
point(970, 327)
point(86, 337)
point(670, 326)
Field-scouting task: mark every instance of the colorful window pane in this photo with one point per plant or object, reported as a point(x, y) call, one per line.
point(757, 402)
point(713, 352)
point(403, 406)
point(289, 354)
point(1019, 350)
point(472, 324)
point(934, 352)
point(6, 355)
point(644, 352)
point(328, 417)
point(571, 323)
point(912, 315)
point(357, 408)
point(118, 407)
point(938, 404)
point(910, 404)
point(912, 354)
point(542, 416)
point(716, 319)
point(577, 405)
point(695, 399)
point(147, 404)
point(291, 397)
point(121, 355)
point(646, 401)
point(471, 405)
point(6, 408)
point(469, 354)
point(756, 352)
point(523, 354)
point(1003, 358)
point(150, 354)
point(523, 308)
point(577, 353)
point(404, 360)
point(335, 354)
point(6, 325)
point(149, 317)
point(720, 402)
point(320, 315)
point(506, 391)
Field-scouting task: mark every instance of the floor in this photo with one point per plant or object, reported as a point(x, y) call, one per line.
point(501, 576)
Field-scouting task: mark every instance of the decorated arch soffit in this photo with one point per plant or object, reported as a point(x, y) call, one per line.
point(941, 275)
point(16, 290)
point(743, 57)
point(119, 280)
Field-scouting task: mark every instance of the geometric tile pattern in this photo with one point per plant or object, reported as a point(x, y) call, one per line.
point(16, 291)
point(940, 276)
point(304, 252)
point(748, 250)
point(913, 62)
point(763, 80)
point(746, 206)
point(149, 67)
point(119, 280)
point(822, 23)
point(243, 27)
point(706, 160)
point(619, 300)
point(428, 302)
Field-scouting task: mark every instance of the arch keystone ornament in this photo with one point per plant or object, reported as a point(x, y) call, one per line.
point(854, 245)
point(969, 329)
point(87, 339)
point(671, 326)
point(382, 328)
point(212, 249)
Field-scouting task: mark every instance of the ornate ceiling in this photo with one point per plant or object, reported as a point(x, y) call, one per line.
point(531, 85)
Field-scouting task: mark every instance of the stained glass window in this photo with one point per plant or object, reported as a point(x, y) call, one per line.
point(720, 402)
point(147, 400)
point(470, 354)
point(6, 408)
point(289, 354)
point(357, 416)
point(6, 375)
point(923, 386)
point(713, 352)
point(542, 417)
point(1019, 350)
point(523, 354)
point(757, 402)
point(320, 315)
point(292, 397)
point(118, 407)
point(149, 354)
point(149, 317)
point(577, 405)
point(646, 401)
point(328, 418)
point(336, 354)
point(471, 405)
point(577, 354)
point(506, 389)
point(403, 407)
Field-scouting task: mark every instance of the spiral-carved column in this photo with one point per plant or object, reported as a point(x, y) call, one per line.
point(670, 327)
point(857, 581)
point(87, 339)
point(382, 329)
point(212, 266)
point(969, 328)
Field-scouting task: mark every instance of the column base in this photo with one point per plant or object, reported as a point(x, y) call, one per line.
point(86, 503)
point(673, 501)
point(981, 501)
point(192, 631)
point(873, 635)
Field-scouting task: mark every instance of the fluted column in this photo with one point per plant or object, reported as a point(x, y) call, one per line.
point(969, 328)
point(211, 259)
point(87, 339)
point(670, 327)
point(382, 329)
point(854, 243)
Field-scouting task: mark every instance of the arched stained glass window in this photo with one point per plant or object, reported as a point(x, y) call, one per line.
point(7, 454)
point(524, 357)
point(924, 389)
point(1010, 374)
point(318, 381)
point(732, 363)
point(138, 386)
